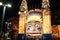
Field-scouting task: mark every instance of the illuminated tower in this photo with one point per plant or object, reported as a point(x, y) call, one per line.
point(22, 16)
point(46, 18)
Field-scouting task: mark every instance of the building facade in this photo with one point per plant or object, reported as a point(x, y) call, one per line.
point(35, 23)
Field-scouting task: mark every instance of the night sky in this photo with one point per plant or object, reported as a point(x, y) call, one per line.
point(32, 4)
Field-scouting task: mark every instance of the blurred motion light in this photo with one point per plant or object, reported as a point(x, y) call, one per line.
point(1, 3)
point(9, 5)
point(3, 15)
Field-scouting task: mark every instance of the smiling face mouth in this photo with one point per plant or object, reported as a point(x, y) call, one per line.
point(33, 32)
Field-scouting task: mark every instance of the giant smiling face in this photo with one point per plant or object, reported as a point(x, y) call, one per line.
point(33, 28)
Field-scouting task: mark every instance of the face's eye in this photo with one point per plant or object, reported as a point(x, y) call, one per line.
point(28, 28)
point(38, 28)
point(37, 25)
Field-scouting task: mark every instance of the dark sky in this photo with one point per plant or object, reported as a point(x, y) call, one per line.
point(13, 11)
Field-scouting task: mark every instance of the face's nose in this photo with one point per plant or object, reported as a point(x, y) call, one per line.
point(34, 29)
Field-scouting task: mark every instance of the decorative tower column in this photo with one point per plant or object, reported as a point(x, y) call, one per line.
point(22, 17)
point(46, 20)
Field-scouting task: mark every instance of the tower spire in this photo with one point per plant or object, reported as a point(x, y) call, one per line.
point(45, 4)
point(23, 6)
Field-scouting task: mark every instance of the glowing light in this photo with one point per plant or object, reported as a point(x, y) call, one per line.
point(9, 5)
point(1, 3)
point(24, 11)
point(19, 12)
